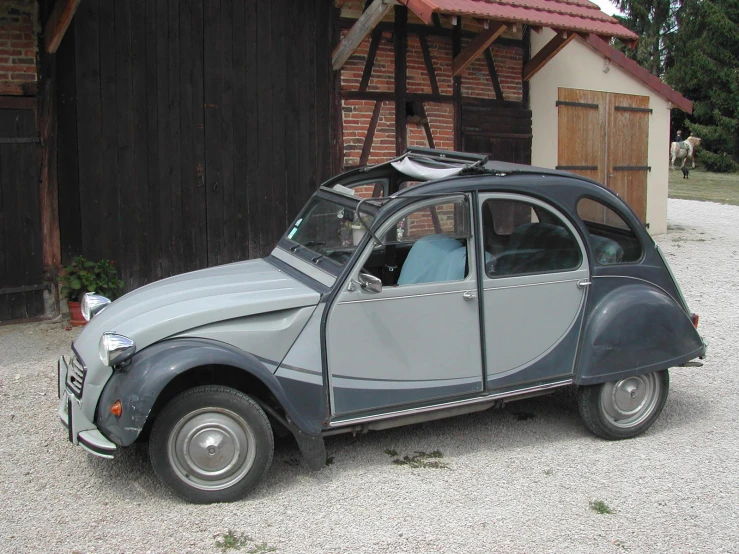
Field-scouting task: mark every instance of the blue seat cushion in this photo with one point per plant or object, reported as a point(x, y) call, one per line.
point(434, 258)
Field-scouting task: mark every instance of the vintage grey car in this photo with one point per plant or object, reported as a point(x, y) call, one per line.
point(437, 284)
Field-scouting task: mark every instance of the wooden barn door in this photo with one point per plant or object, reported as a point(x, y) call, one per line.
point(628, 138)
point(604, 136)
point(21, 272)
point(582, 133)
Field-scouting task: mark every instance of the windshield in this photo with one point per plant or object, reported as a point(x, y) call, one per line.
point(327, 232)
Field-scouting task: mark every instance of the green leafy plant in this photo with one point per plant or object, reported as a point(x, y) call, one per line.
point(718, 163)
point(232, 541)
point(600, 507)
point(84, 276)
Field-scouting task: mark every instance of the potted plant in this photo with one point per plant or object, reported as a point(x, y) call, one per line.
point(84, 276)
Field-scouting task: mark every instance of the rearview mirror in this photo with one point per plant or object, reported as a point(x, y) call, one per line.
point(369, 283)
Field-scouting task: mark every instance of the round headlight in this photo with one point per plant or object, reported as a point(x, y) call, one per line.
point(93, 304)
point(115, 349)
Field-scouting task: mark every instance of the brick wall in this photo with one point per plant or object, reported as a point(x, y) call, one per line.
point(476, 83)
point(19, 29)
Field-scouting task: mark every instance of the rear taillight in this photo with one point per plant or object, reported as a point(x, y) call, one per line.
point(694, 318)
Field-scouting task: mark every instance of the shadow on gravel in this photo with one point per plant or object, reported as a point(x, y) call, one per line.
point(538, 422)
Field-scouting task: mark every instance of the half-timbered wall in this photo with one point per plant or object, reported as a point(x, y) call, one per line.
point(190, 131)
point(487, 112)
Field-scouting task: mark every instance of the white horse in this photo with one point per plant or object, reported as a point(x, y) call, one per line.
point(683, 151)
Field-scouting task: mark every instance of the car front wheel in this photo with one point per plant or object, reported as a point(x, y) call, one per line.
point(211, 444)
point(626, 408)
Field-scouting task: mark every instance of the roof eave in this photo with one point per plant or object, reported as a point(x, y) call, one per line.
point(638, 72)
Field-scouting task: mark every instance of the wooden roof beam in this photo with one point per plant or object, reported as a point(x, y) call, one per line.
point(550, 49)
point(423, 9)
point(478, 45)
point(58, 23)
point(359, 31)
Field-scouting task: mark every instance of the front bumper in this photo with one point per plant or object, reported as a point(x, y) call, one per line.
point(81, 431)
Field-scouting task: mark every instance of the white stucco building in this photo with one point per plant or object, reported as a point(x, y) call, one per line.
point(583, 121)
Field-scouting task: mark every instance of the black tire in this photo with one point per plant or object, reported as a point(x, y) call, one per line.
point(234, 449)
point(626, 408)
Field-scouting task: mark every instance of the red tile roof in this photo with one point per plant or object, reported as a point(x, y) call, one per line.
point(567, 15)
point(637, 71)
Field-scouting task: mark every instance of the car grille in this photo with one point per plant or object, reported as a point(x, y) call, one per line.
point(76, 376)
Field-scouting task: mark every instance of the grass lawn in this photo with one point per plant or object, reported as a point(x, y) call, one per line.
point(702, 185)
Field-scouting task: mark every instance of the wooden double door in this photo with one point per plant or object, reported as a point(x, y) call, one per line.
point(604, 136)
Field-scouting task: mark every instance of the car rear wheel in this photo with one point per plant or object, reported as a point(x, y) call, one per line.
point(626, 408)
point(211, 444)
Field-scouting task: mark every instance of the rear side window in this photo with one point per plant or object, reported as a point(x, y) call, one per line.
point(611, 239)
point(522, 238)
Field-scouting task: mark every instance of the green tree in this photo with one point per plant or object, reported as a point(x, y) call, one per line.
point(655, 21)
point(705, 69)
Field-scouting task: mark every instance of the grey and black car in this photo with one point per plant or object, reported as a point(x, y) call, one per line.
point(433, 285)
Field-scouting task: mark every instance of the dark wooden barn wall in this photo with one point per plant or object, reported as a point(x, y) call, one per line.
point(21, 273)
point(190, 131)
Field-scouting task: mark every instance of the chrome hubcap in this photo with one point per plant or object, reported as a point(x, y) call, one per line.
point(629, 402)
point(212, 448)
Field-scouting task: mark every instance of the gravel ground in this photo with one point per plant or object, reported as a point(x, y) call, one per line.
point(518, 480)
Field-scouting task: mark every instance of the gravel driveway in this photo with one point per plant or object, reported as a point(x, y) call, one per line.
point(518, 480)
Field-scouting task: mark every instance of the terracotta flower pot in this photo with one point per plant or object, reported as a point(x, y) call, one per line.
point(75, 312)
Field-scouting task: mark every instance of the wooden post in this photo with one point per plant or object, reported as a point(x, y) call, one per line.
point(58, 22)
point(400, 43)
point(457, 88)
point(549, 50)
point(51, 248)
point(361, 28)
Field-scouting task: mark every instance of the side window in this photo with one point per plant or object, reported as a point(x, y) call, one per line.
point(429, 244)
point(611, 239)
point(522, 238)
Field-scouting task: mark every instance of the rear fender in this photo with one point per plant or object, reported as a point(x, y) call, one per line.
point(634, 329)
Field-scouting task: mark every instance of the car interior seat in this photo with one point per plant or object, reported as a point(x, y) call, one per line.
point(434, 258)
point(606, 251)
point(537, 247)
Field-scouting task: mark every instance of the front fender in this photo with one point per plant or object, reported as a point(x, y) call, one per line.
point(139, 385)
point(634, 329)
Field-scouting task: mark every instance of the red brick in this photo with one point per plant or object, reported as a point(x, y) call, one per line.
point(23, 76)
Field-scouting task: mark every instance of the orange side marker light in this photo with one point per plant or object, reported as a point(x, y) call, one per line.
point(116, 409)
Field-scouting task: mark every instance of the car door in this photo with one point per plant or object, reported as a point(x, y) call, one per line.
point(535, 281)
point(417, 340)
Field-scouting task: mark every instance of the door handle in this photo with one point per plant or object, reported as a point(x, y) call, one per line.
point(469, 295)
point(582, 283)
